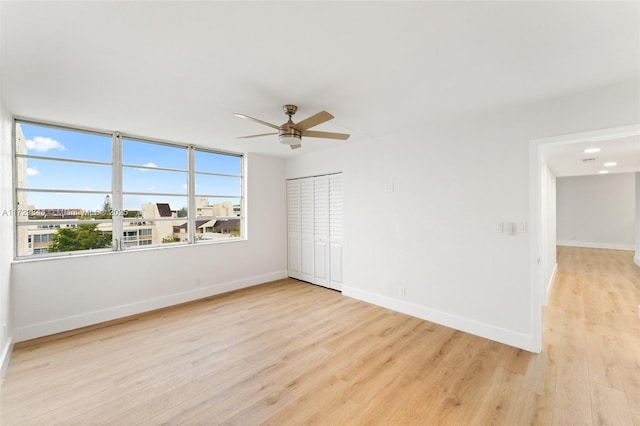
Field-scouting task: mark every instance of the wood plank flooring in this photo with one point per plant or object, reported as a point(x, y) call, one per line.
point(288, 353)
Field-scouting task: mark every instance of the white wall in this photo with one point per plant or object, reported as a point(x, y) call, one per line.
point(53, 295)
point(597, 211)
point(435, 233)
point(6, 236)
point(6, 233)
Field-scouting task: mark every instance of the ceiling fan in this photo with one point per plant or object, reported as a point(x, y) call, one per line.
point(291, 133)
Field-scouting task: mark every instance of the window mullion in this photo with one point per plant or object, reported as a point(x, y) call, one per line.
point(243, 199)
point(191, 191)
point(116, 188)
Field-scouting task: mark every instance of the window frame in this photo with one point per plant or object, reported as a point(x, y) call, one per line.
point(117, 192)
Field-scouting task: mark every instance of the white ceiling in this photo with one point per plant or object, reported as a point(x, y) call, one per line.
point(178, 70)
point(568, 159)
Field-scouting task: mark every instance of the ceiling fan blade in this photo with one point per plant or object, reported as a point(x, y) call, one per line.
point(296, 146)
point(314, 120)
point(256, 120)
point(256, 136)
point(326, 135)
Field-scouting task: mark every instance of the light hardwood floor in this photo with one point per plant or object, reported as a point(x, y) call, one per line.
point(288, 353)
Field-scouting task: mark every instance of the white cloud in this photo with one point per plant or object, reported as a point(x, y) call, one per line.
point(42, 144)
point(151, 188)
point(183, 186)
point(32, 172)
point(154, 165)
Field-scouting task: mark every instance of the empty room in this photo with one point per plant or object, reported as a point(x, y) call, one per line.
point(288, 213)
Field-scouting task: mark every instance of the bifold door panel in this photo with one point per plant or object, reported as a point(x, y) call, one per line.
point(314, 207)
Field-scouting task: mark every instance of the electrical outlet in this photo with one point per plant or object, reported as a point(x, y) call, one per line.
point(403, 291)
point(5, 333)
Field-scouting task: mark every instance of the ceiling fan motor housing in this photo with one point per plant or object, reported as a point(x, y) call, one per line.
point(288, 134)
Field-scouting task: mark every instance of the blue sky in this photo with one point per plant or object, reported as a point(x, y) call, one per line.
point(59, 143)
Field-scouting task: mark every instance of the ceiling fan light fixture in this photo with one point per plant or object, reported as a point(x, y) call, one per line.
point(289, 139)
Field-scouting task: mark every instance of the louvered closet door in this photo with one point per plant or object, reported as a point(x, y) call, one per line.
point(335, 231)
point(306, 229)
point(314, 209)
point(321, 230)
point(294, 229)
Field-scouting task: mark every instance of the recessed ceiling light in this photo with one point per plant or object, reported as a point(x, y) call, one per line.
point(603, 172)
point(610, 164)
point(591, 150)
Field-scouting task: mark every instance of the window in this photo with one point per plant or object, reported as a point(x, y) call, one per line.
point(62, 177)
point(154, 185)
point(42, 238)
point(218, 196)
point(79, 190)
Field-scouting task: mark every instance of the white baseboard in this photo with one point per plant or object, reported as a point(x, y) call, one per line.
point(95, 317)
point(552, 281)
point(508, 337)
point(596, 245)
point(5, 357)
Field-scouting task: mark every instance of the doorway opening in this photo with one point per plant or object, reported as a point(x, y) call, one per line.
point(542, 190)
